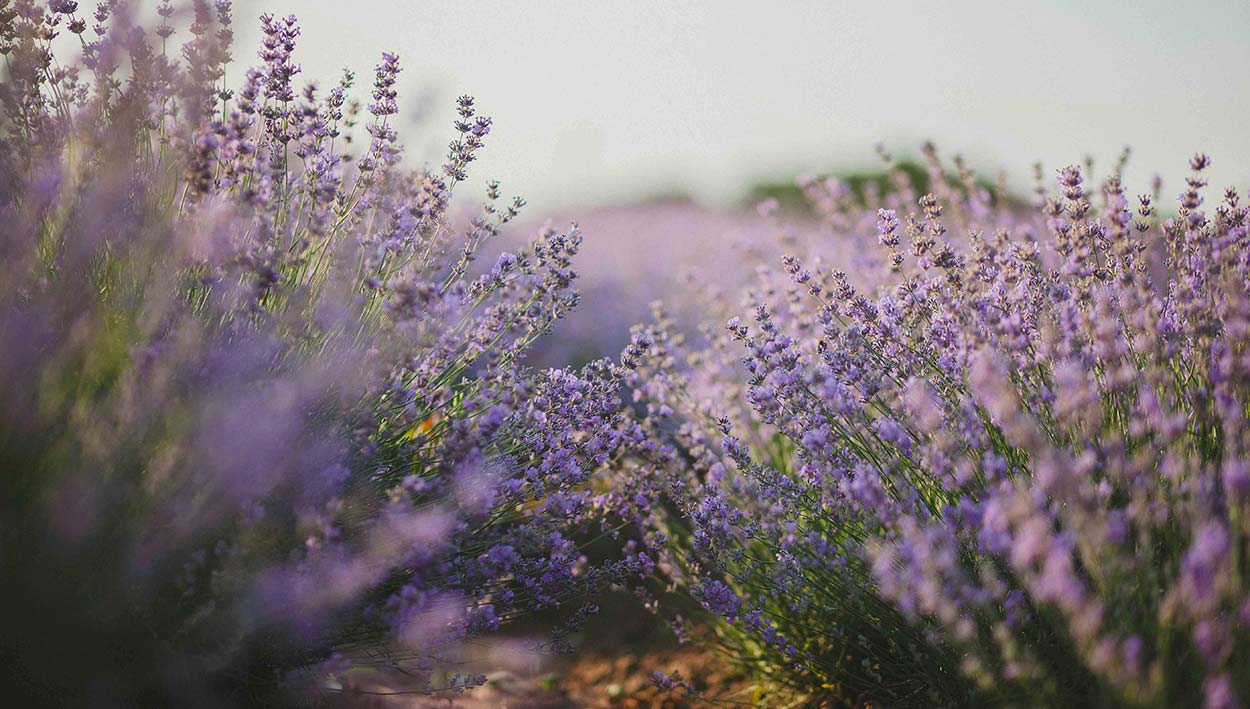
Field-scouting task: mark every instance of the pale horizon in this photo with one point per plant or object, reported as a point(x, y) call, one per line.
point(599, 104)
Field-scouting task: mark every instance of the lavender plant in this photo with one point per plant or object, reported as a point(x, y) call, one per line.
point(265, 421)
point(1007, 466)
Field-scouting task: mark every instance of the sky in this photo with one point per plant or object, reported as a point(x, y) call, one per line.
point(608, 102)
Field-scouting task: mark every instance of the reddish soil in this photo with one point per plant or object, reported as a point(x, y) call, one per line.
point(524, 679)
point(616, 655)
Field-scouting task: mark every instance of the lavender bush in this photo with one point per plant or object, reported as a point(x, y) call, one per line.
point(268, 424)
point(265, 424)
point(1008, 466)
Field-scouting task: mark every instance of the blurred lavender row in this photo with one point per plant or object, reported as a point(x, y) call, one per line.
point(263, 432)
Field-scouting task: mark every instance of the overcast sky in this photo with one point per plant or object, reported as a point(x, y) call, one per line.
point(597, 102)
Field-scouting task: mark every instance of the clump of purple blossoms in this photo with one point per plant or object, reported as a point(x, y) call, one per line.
point(1008, 465)
point(265, 421)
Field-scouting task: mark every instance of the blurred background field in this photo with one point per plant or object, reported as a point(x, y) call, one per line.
point(657, 127)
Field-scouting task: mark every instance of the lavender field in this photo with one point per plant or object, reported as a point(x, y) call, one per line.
point(295, 414)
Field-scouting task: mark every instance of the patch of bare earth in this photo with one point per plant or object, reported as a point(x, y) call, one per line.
point(521, 677)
